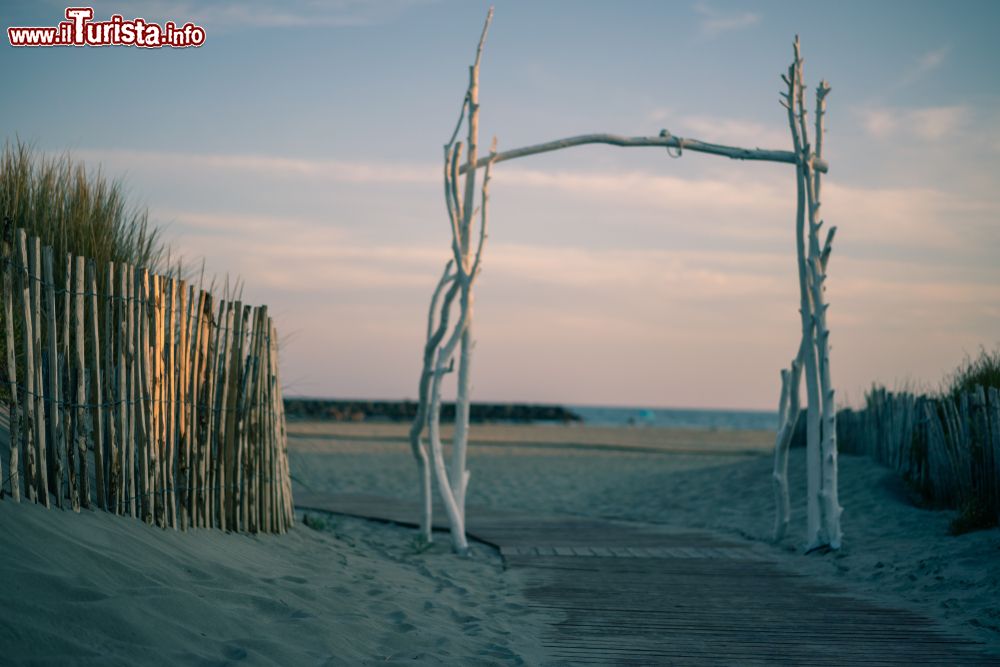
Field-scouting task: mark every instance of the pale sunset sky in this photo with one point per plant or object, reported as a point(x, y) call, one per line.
point(300, 149)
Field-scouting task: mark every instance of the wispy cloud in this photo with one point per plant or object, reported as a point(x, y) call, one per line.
point(734, 131)
point(917, 221)
point(301, 255)
point(269, 165)
point(313, 254)
point(935, 123)
point(236, 14)
point(655, 190)
point(742, 210)
point(636, 187)
point(583, 298)
point(713, 22)
point(922, 66)
point(927, 124)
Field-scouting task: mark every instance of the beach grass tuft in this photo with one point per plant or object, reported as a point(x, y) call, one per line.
point(76, 210)
point(980, 371)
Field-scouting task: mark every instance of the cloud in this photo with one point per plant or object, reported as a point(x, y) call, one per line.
point(714, 22)
point(660, 310)
point(928, 124)
point(733, 131)
point(340, 171)
point(879, 123)
point(660, 114)
point(932, 59)
point(655, 190)
point(936, 123)
point(923, 65)
point(317, 255)
point(302, 255)
point(635, 187)
point(308, 255)
point(237, 14)
point(684, 274)
point(909, 218)
point(752, 213)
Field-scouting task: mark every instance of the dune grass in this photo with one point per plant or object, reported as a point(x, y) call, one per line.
point(75, 209)
point(981, 371)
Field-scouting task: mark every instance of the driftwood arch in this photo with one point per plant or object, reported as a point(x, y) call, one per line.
point(445, 339)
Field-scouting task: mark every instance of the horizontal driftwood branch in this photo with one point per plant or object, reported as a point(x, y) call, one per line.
point(662, 141)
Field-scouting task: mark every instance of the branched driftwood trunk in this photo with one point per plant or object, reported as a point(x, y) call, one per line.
point(439, 359)
point(789, 410)
point(788, 417)
point(434, 336)
point(822, 506)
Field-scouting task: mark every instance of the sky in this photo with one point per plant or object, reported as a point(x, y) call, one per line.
point(300, 149)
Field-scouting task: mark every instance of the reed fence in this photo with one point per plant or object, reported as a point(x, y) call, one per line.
point(141, 394)
point(948, 447)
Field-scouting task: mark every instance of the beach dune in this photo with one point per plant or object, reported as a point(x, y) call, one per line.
point(98, 589)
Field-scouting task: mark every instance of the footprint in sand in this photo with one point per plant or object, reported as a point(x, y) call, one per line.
point(398, 618)
point(464, 619)
point(502, 653)
point(234, 653)
point(198, 575)
point(269, 606)
point(79, 594)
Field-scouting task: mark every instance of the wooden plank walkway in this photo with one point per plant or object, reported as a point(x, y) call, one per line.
point(622, 593)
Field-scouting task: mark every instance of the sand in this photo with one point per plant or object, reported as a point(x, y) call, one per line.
point(894, 551)
point(98, 589)
point(95, 589)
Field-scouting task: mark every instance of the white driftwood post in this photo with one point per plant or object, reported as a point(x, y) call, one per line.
point(788, 416)
point(460, 274)
point(439, 359)
point(823, 508)
point(434, 336)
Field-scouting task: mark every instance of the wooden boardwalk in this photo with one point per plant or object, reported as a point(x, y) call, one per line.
point(637, 594)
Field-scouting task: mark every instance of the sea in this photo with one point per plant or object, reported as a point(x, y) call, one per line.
point(710, 420)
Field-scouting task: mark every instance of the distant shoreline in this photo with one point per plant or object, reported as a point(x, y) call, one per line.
point(360, 410)
point(404, 411)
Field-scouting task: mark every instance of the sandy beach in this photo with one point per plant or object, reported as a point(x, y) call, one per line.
point(894, 551)
point(98, 589)
point(234, 285)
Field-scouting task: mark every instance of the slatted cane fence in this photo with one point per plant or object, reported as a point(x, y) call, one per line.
point(949, 447)
point(141, 394)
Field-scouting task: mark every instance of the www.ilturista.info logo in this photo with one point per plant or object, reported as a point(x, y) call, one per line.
point(80, 30)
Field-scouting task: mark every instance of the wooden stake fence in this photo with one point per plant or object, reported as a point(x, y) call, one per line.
point(948, 447)
point(141, 395)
